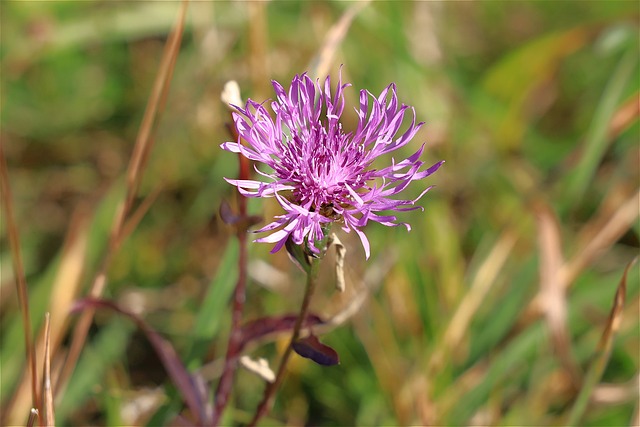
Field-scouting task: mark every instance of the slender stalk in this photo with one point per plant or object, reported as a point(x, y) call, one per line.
point(269, 393)
point(141, 150)
point(33, 416)
point(49, 414)
point(21, 282)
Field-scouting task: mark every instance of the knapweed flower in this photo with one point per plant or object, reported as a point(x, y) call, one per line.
point(320, 173)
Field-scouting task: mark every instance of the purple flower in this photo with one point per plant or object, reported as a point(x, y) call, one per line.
point(320, 173)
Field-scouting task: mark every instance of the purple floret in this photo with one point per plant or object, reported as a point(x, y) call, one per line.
point(320, 174)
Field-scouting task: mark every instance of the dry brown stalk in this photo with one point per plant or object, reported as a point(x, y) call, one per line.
point(141, 150)
point(552, 291)
point(605, 236)
point(63, 291)
point(21, 282)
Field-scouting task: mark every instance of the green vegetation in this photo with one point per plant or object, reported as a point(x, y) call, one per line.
point(498, 308)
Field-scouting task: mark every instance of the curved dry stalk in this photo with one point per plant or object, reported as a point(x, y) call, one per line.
point(320, 64)
point(614, 227)
point(141, 150)
point(552, 292)
point(64, 290)
point(21, 281)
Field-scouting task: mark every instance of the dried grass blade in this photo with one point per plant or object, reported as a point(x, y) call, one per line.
point(552, 290)
point(136, 165)
point(68, 279)
point(144, 142)
point(591, 246)
point(63, 291)
point(49, 414)
point(607, 235)
point(135, 218)
point(33, 416)
point(320, 64)
point(603, 351)
point(21, 281)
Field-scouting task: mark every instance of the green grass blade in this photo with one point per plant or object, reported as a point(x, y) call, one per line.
point(107, 348)
point(214, 305)
point(596, 138)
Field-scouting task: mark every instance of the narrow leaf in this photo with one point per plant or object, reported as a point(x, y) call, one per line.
point(311, 348)
point(263, 326)
point(603, 352)
point(167, 354)
point(596, 139)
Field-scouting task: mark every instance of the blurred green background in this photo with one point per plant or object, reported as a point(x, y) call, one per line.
point(534, 107)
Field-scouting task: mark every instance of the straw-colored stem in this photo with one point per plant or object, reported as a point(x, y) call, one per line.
point(144, 143)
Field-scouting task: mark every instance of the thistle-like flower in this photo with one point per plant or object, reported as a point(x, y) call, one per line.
point(321, 174)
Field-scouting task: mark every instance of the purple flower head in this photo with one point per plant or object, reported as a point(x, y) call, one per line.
point(321, 174)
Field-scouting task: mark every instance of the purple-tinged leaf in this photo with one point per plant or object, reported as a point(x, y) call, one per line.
point(181, 378)
point(263, 326)
point(311, 348)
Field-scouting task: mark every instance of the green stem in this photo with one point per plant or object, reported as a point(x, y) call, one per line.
point(269, 393)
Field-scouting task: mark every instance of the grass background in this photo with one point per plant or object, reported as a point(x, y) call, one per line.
point(489, 312)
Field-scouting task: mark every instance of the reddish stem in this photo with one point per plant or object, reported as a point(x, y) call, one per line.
point(239, 296)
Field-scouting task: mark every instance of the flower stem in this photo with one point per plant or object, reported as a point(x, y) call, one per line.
point(269, 392)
